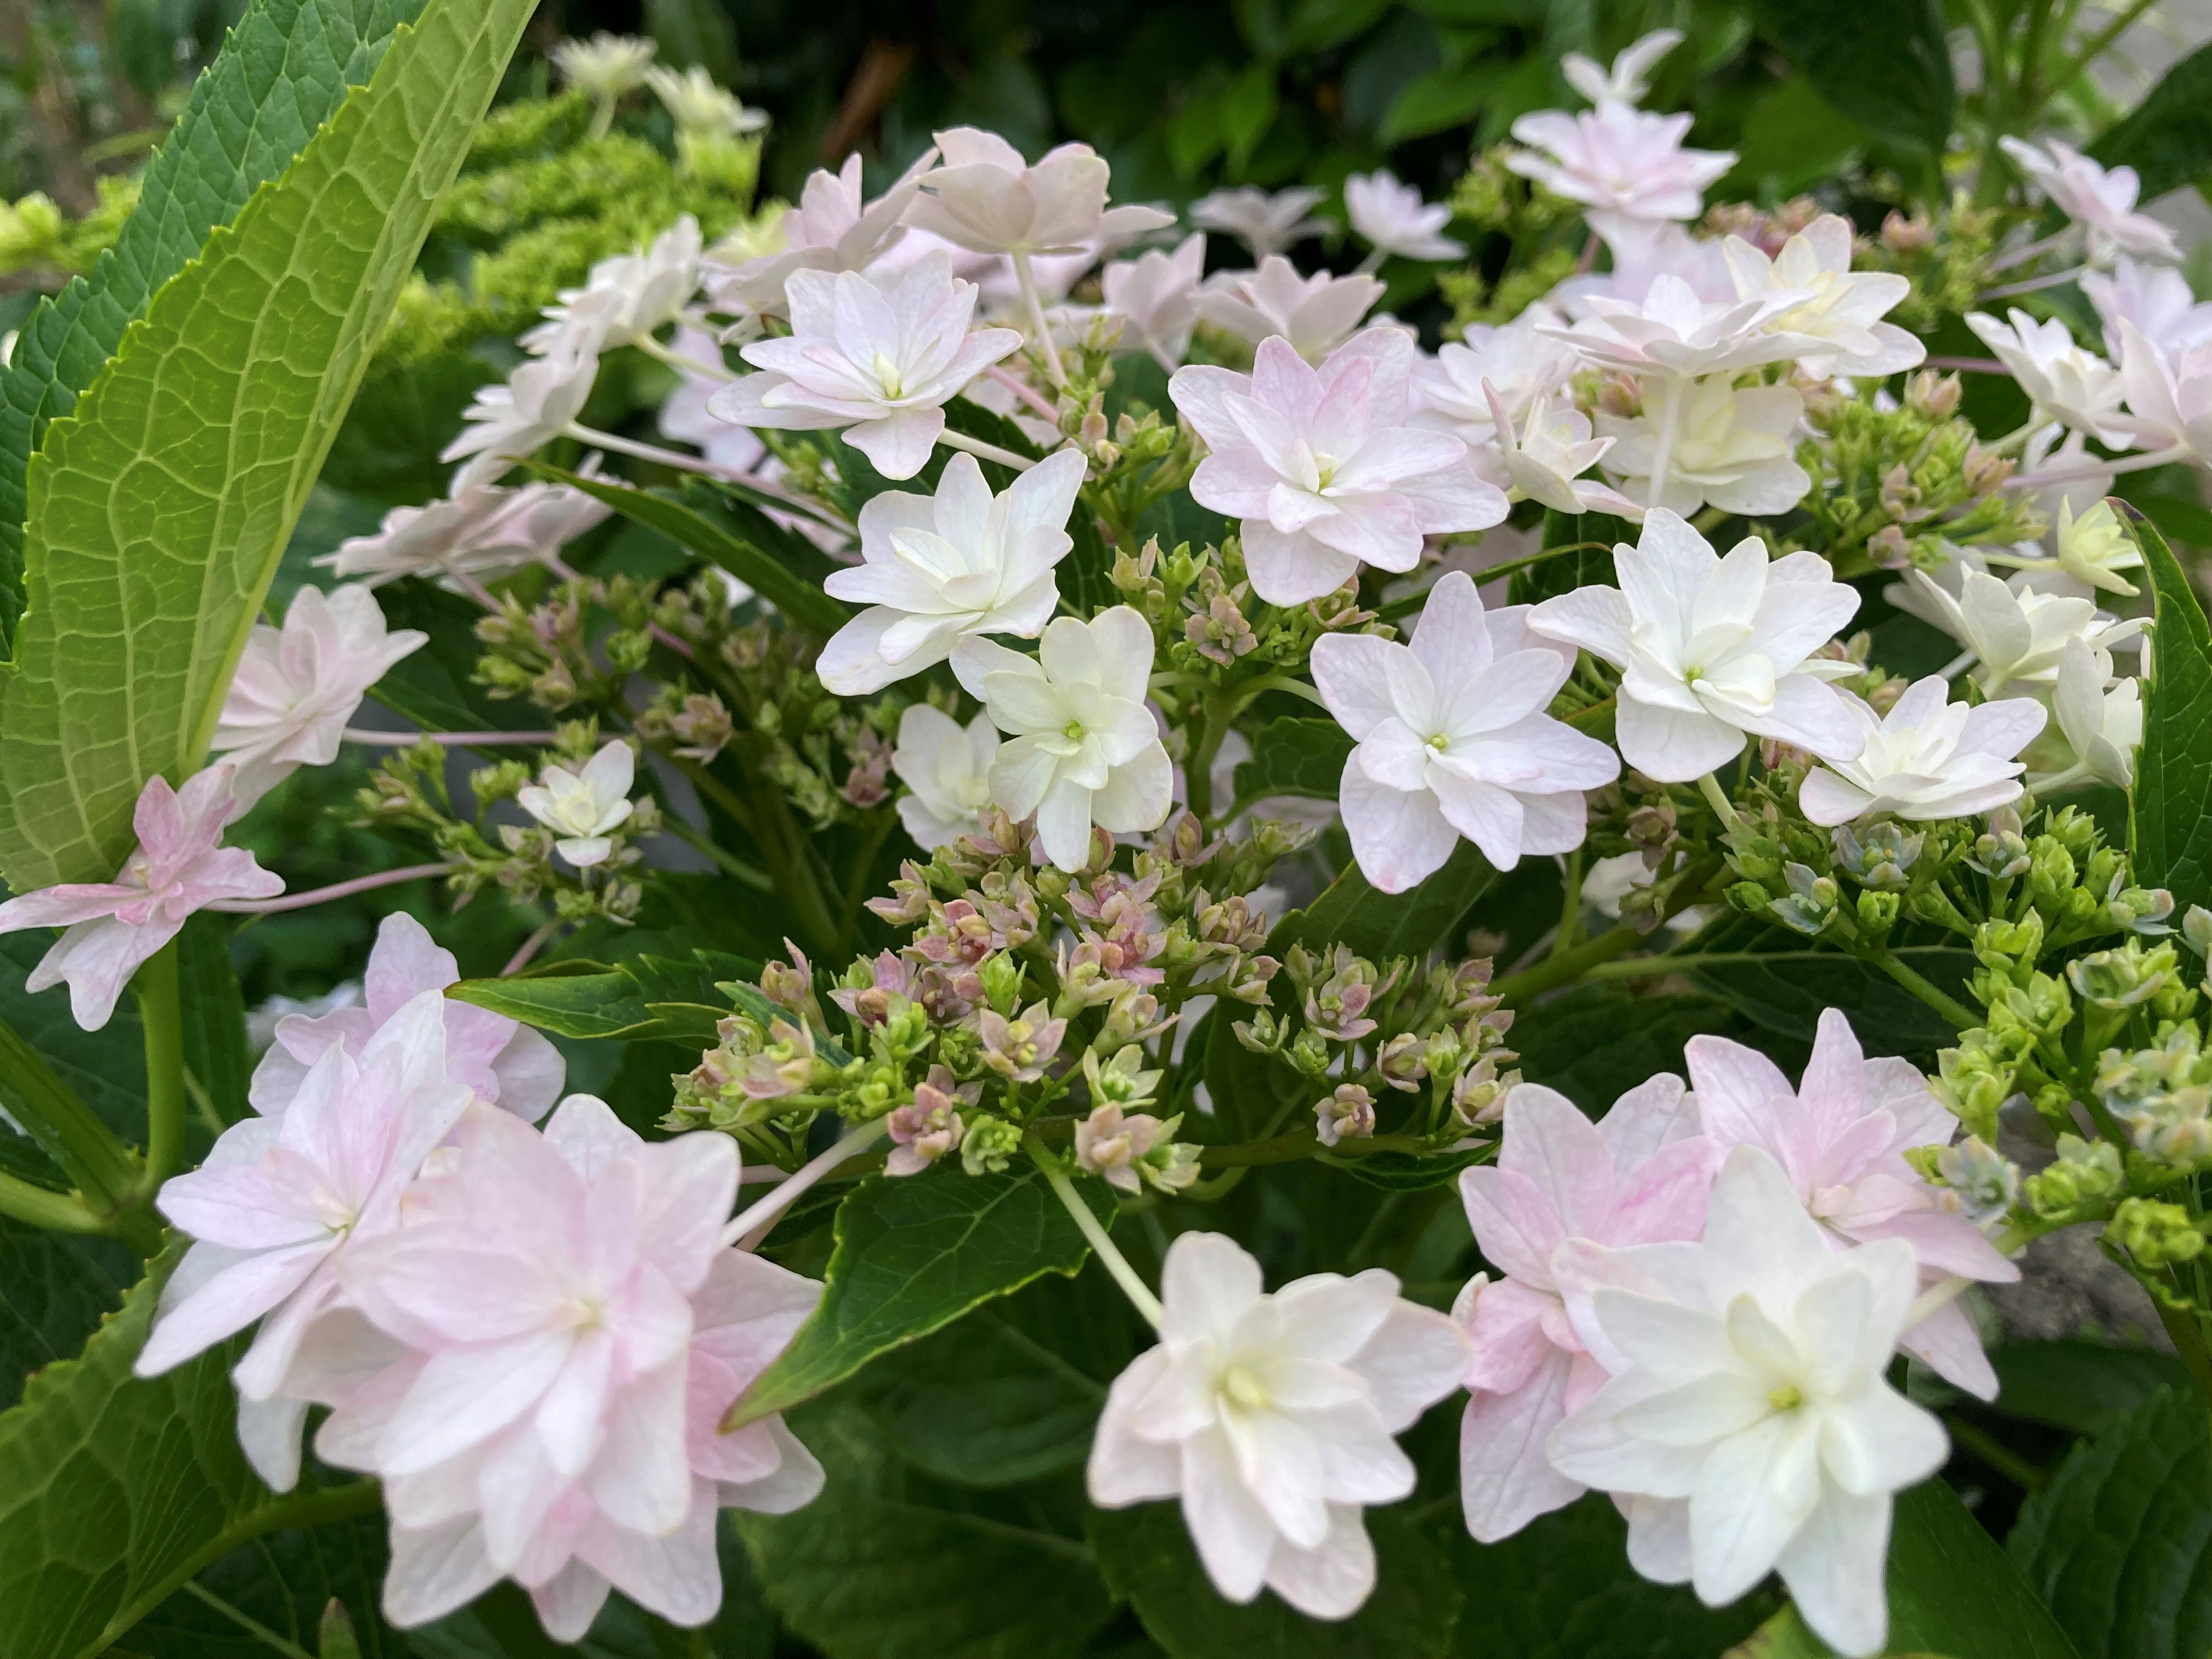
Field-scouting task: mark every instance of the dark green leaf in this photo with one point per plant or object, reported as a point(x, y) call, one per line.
point(1379, 925)
point(911, 1255)
point(745, 520)
point(648, 999)
point(1009, 1393)
point(1294, 756)
point(2118, 1544)
point(2172, 828)
point(434, 686)
point(1784, 997)
point(1448, 97)
point(105, 1069)
point(286, 1583)
point(2167, 139)
point(1562, 1589)
point(218, 1061)
point(1883, 63)
point(282, 73)
point(1086, 575)
point(1568, 571)
point(1595, 1043)
point(1952, 1591)
point(1317, 24)
point(55, 1288)
point(1405, 1172)
point(2080, 1386)
point(1147, 1558)
point(1248, 1091)
point(802, 601)
point(888, 1564)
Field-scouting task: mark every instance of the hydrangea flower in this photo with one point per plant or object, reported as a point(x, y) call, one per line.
point(1619, 158)
point(1157, 294)
point(1712, 649)
point(1266, 221)
point(876, 358)
point(2156, 299)
point(538, 402)
point(938, 568)
point(1731, 446)
point(1638, 1175)
point(1317, 314)
point(606, 65)
point(2064, 382)
point(2103, 725)
point(2015, 633)
point(2169, 394)
point(1839, 1139)
point(626, 298)
point(984, 196)
point(1324, 466)
point(1542, 461)
point(499, 1060)
point(296, 686)
point(2101, 200)
point(1842, 307)
point(468, 534)
point(946, 768)
point(582, 807)
point(1391, 217)
point(1518, 360)
point(1927, 758)
point(178, 866)
point(1629, 78)
point(1748, 1421)
point(834, 228)
point(1673, 331)
point(281, 1198)
point(1272, 1417)
point(1453, 740)
point(1082, 748)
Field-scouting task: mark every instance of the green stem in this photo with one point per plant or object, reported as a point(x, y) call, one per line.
point(1571, 906)
point(1252, 690)
point(856, 890)
point(99, 1166)
point(1717, 797)
point(1959, 1016)
point(1489, 574)
point(2097, 45)
point(1568, 964)
point(1995, 1453)
point(1214, 717)
point(160, 1011)
point(1110, 1256)
point(59, 1212)
point(246, 1622)
point(726, 861)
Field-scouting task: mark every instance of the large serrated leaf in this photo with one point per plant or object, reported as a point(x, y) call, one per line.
point(2170, 812)
point(55, 1288)
point(282, 73)
point(159, 508)
point(114, 1489)
point(1352, 911)
point(646, 999)
point(913, 1255)
point(1783, 997)
point(2117, 1542)
point(1594, 1043)
point(1294, 756)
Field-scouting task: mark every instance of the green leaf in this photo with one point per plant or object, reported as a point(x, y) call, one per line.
point(1086, 574)
point(1883, 63)
point(2117, 1543)
point(1294, 756)
point(434, 686)
point(751, 1000)
point(1248, 1092)
point(1351, 911)
point(105, 1069)
point(889, 1564)
point(1147, 1558)
point(913, 1255)
point(1594, 1043)
point(218, 1059)
point(2171, 824)
point(725, 504)
point(114, 1489)
point(647, 998)
point(690, 528)
point(282, 73)
point(159, 509)
point(2080, 1386)
point(1561, 1588)
point(2167, 139)
point(1009, 1393)
point(1784, 997)
point(55, 1288)
point(1568, 571)
point(286, 1582)
point(1443, 98)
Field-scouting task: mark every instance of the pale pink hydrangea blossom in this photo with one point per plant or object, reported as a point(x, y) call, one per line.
point(1927, 757)
point(1391, 217)
point(1272, 1418)
point(833, 227)
point(1619, 158)
point(178, 866)
point(1453, 740)
point(1317, 314)
point(1323, 465)
point(298, 685)
point(2101, 200)
point(1638, 1175)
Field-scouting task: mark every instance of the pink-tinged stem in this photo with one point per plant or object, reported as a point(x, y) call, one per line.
point(469, 586)
point(1969, 365)
point(2032, 285)
point(362, 734)
point(318, 895)
point(2085, 475)
point(982, 450)
point(2020, 256)
point(529, 948)
point(1021, 389)
point(561, 567)
point(1587, 260)
point(751, 1226)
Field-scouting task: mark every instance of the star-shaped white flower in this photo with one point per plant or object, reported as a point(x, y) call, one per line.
point(1629, 78)
point(2101, 200)
point(936, 569)
point(1272, 1417)
point(1619, 158)
point(1082, 748)
point(2102, 723)
point(1315, 313)
point(986, 197)
point(2156, 299)
point(1265, 222)
point(1324, 466)
point(833, 227)
point(1391, 217)
point(582, 807)
point(1542, 461)
point(1517, 360)
point(1712, 649)
point(629, 296)
point(1732, 447)
point(2063, 381)
point(2017, 634)
point(606, 65)
point(946, 768)
point(538, 402)
point(1748, 1412)
point(1157, 294)
point(1672, 331)
point(876, 358)
point(1844, 307)
point(1927, 758)
point(1453, 740)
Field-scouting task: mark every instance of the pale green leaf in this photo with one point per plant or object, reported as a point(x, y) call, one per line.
point(2171, 818)
point(159, 509)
